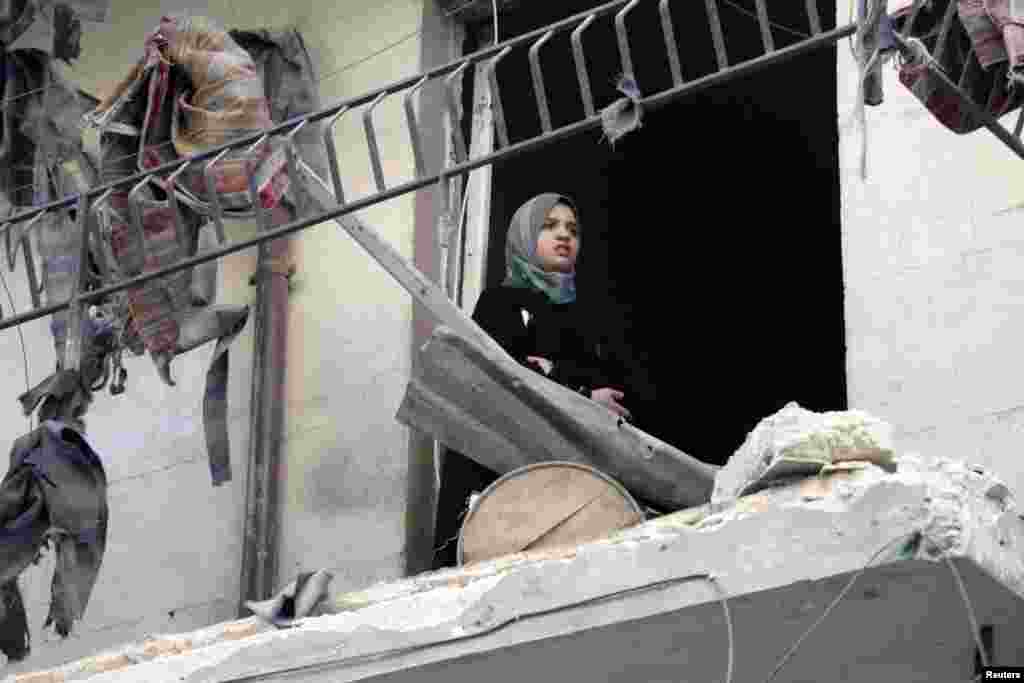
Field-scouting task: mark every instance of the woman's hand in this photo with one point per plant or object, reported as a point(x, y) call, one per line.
point(610, 398)
point(543, 363)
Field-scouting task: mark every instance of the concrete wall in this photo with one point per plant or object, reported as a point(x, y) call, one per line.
point(174, 547)
point(350, 330)
point(934, 273)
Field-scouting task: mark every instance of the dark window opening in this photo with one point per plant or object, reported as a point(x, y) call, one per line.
point(711, 235)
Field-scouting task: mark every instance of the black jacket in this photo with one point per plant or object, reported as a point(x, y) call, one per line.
point(561, 333)
point(55, 493)
point(587, 351)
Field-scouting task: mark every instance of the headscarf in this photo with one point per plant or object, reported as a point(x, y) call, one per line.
point(522, 265)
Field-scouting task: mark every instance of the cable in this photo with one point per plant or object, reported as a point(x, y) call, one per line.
point(839, 598)
point(975, 631)
point(731, 656)
point(744, 10)
point(21, 337)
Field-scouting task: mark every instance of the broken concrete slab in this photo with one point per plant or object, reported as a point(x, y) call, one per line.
point(795, 442)
point(639, 605)
point(505, 416)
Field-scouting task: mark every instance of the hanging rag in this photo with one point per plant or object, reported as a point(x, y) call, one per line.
point(289, 84)
point(974, 58)
point(625, 114)
point(201, 90)
point(296, 600)
point(194, 88)
point(54, 494)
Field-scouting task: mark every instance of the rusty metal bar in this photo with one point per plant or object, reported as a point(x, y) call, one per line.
point(172, 202)
point(650, 103)
point(371, 142)
point(623, 39)
point(766, 27)
point(716, 34)
point(211, 189)
point(813, 18)
point(262, 214)
point(670, 42)
point(499, 112)
point(966, 69)
point(332, 155)
point(97, 209)
point(581, 65)
point(292, 156)
point(947, 23)
point(538, 82)
point(908, 26)
point(24, 243)
point(34, 280)
point(76, 304)
point(135, 221)
point(336, 109)
point(415, 136)
point(452, 105)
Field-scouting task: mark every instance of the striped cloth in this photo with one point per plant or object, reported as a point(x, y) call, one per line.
point(223, 99)
point(216, 95)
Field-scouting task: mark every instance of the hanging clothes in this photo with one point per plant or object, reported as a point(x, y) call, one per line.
point(195, 88)
point(972, 58)
point(214, 94)
point(54, 494)
point(289, 84)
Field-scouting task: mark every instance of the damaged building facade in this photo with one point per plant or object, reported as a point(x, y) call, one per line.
point(929, 285)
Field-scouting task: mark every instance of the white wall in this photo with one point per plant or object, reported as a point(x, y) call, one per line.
point(174, 545)
point(934, 272)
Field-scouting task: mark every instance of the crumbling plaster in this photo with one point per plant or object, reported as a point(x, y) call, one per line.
point(802, 534)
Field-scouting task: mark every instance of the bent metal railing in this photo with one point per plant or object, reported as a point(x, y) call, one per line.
point(329, 194)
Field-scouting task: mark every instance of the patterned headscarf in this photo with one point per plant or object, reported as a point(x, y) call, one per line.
point(522, 265)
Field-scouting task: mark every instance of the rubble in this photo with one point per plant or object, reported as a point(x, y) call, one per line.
point(795, 442)
point(796, 534)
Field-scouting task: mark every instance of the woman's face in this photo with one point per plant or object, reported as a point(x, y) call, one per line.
point(559, 241)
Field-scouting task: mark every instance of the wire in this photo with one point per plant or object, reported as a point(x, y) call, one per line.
point(839, 598)
point(744, 10)
point(724, 598)
point(21, 337)
point(982, 653)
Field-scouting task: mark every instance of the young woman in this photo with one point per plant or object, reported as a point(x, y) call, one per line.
point(534, 316)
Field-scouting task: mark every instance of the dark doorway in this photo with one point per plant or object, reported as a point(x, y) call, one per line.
point(711, 235)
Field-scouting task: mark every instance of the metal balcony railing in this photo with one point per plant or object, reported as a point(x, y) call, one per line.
point(329, 193)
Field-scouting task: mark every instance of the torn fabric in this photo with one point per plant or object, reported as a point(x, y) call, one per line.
point(289, 86)
point(983, 78)
point(296, 600)
point(62, 396)
point(625, 114)
point(55, 493)
point(216, 96)
point(164, 314)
